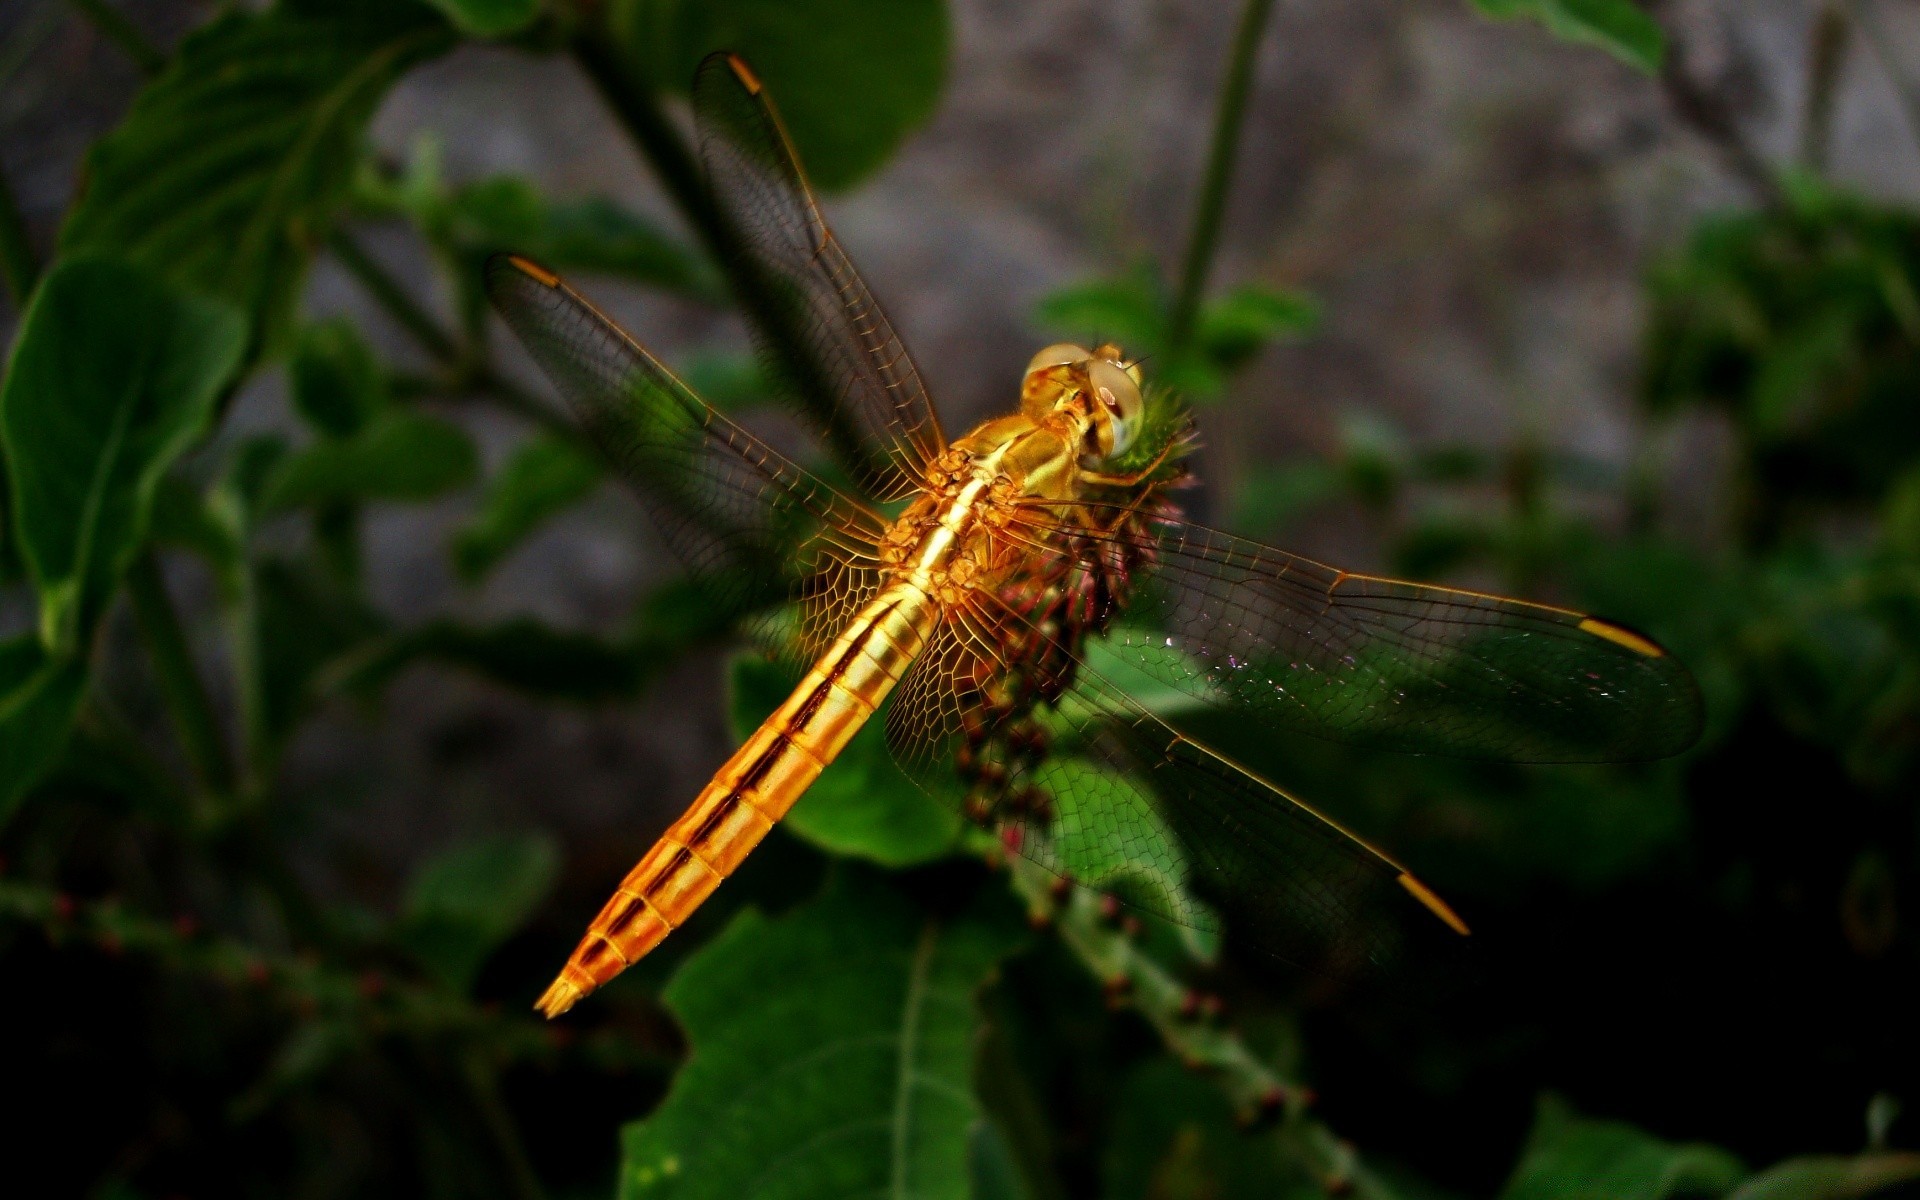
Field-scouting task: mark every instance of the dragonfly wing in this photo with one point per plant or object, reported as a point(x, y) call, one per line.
point(1121, 801)
point(1389, 663)
point(822, 330)
point(752, 527)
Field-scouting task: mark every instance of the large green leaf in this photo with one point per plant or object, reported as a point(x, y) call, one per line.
point(544, 477)
point(115, 374)
point(38, 696)
point(831, 1053)
point(862, 805)
point(1621, 27)
point(1571, 1158)
point(851, 77)
point(400, 456)
point(465, 901)
point(231, 166)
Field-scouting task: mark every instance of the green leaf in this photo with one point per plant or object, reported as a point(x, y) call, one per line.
point(863, 805)
point(1241, 323)
point(463, 903)
point(812, 55)
point(1620, 27)
point(336, 382)
point(1572, 1158)
point(303, 624)
point(401, 456)
point(545, 477)
point(489, 18)
point(832, 1051)
point(508, 213)
point(38, 697)
point(1177, 1134)
point(1130, 309)
point(113, 376)
point(1830, 1178)
point(233, 163)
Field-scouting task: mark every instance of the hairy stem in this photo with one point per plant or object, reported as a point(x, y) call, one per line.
point(1204, 235)
point(114, 26)
point(201, 736)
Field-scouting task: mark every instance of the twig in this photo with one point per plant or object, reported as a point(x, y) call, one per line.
point(1712, 118)
point(199, 728)
point(1826, 53)
point(388, 293)
point(1204, 236)
point(1867, 16)
point(115, 27)
point(19, 265)
point(483, 1085)
point(309, 986)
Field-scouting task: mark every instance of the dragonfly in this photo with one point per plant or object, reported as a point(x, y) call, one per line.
point(1001, 601)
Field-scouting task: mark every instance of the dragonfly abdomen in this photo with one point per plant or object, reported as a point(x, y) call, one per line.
point(754, 789)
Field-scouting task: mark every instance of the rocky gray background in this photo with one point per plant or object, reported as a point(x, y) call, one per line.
point(1472, 203)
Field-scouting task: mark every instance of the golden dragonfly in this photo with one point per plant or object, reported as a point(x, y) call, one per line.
point(963, 583)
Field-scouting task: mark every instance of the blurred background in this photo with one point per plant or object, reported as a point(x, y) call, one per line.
point(1544, 311)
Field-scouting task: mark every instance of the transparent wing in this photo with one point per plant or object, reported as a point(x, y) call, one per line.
point(1387, 663)
point(1102, 792)
point(822, 330)
point(752, 527)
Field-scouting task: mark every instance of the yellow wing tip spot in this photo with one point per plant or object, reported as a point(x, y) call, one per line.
point(558, 998)
point(744, 74)
point(534, 271)
point(1424, 894)
point(1619, 635)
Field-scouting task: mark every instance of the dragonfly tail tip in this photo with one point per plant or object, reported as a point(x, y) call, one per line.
point(558, 998)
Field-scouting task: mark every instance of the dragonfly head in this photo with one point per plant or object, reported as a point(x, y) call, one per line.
point(1097, 390)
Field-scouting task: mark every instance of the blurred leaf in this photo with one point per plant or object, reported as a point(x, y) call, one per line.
point(862, 805)
point(1273, 498)
point(1572, 1158)
point(1621, 27)
point(400, 456)
point(186, 518)
point(303, 623)
point(992, 1173)
point(38, 698)
point(1130, 309)
point(509, 214)
point(1830, 1178)
point(113, 376)
point(336, 382)
point(232, 164)
point(521, 653)
point(463, 903)
point(545, 476)
point(728, 381)
point(851, 1076)
point(1241, 323)
point(489, 18)
point(812, 55)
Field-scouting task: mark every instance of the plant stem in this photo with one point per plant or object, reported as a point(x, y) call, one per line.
point(1868, 18)
point(187, 701)
point(483, 1084)
point(115, 27)
point(635, 102)
point(388, 293)
point(1826, 52)
point(19, 265)
point(1204, 236)
point(1713, 118)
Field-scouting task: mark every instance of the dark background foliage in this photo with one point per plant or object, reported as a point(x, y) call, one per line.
point(337, 687)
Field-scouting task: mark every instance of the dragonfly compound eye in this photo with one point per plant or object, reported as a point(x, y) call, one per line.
point(1117, 407)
